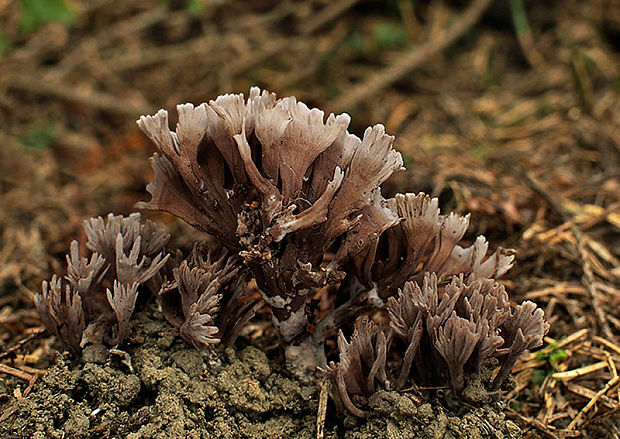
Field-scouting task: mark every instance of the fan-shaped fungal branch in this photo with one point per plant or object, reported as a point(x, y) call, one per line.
point(61, 312)
point(210, 288)
point(362, 365)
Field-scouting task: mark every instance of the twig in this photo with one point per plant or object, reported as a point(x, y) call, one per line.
point(15, 372)
point(570, 374)
point(33, 370)
point(409, 61)
point(537, 187)
point(561, 289)
point(524, 33)
point(588, 279)
point(322, 411)
point(95, 42)
point(30, 386)
point(536, 424)
point(22, 342)
point(607, 343)
point(577, 420)
point(589, 394)
point(326, 45)
point(123, 60)
point(559, 344)
point(590, 284)
point(69, 92)
point(266, 51)
point(325, 15)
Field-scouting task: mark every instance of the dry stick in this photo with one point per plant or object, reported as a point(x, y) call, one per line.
point(588, 276)
point(32, 370)
point(245, 63)
point(589, 394)
point(123, 61)
point(540, 426)
point(561, 289)
point(581, 371)
point(30, 386)
point(266, 51)
point(95, 42)
point(607, 343)
point(325, 15)
point(592, 402)
point(524, 34)
point(262, 20)
point(69, 92)
point(322, 411)
point(22, 342)
point(604, 214)
point(330, 41)
point(99, 70)
point(409, 61)
point(590, 284)
point(31, 50)
point(15, 372)
point(564, 342)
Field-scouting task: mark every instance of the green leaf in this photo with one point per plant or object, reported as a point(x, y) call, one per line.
point(38, 137)
point(539, 376)
point(34, 13)
point(558, 356)
point(390, 34)
point(195, 7)
point(519, 16)
point(5, 44)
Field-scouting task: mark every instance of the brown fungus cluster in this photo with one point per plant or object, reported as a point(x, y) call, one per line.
point(206, 298)
point(96, 298)
point(294, 202)
point(278, 185)
point(447, 330)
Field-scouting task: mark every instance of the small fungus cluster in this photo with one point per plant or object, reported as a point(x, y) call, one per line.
point(293, 201)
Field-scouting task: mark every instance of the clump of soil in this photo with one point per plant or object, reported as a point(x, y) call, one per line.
point(161, 388)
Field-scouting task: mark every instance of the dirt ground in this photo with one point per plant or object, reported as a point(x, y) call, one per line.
point(168, 390)
point(507, 109)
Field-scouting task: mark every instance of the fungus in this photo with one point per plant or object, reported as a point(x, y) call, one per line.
point(61, 314)
point(362, 364)
point(278, 184)
point(464, 323)
point(214, 305)
point(294, 201)
point(88, 305)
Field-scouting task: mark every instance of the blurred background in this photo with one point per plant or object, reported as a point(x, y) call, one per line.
point(507, 109)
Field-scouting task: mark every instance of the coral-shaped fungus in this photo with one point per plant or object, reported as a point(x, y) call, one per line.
point(125, 254)
point(214, 305)
point(294, 201)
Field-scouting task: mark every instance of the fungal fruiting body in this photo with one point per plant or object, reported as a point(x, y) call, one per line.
point(293, 201)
